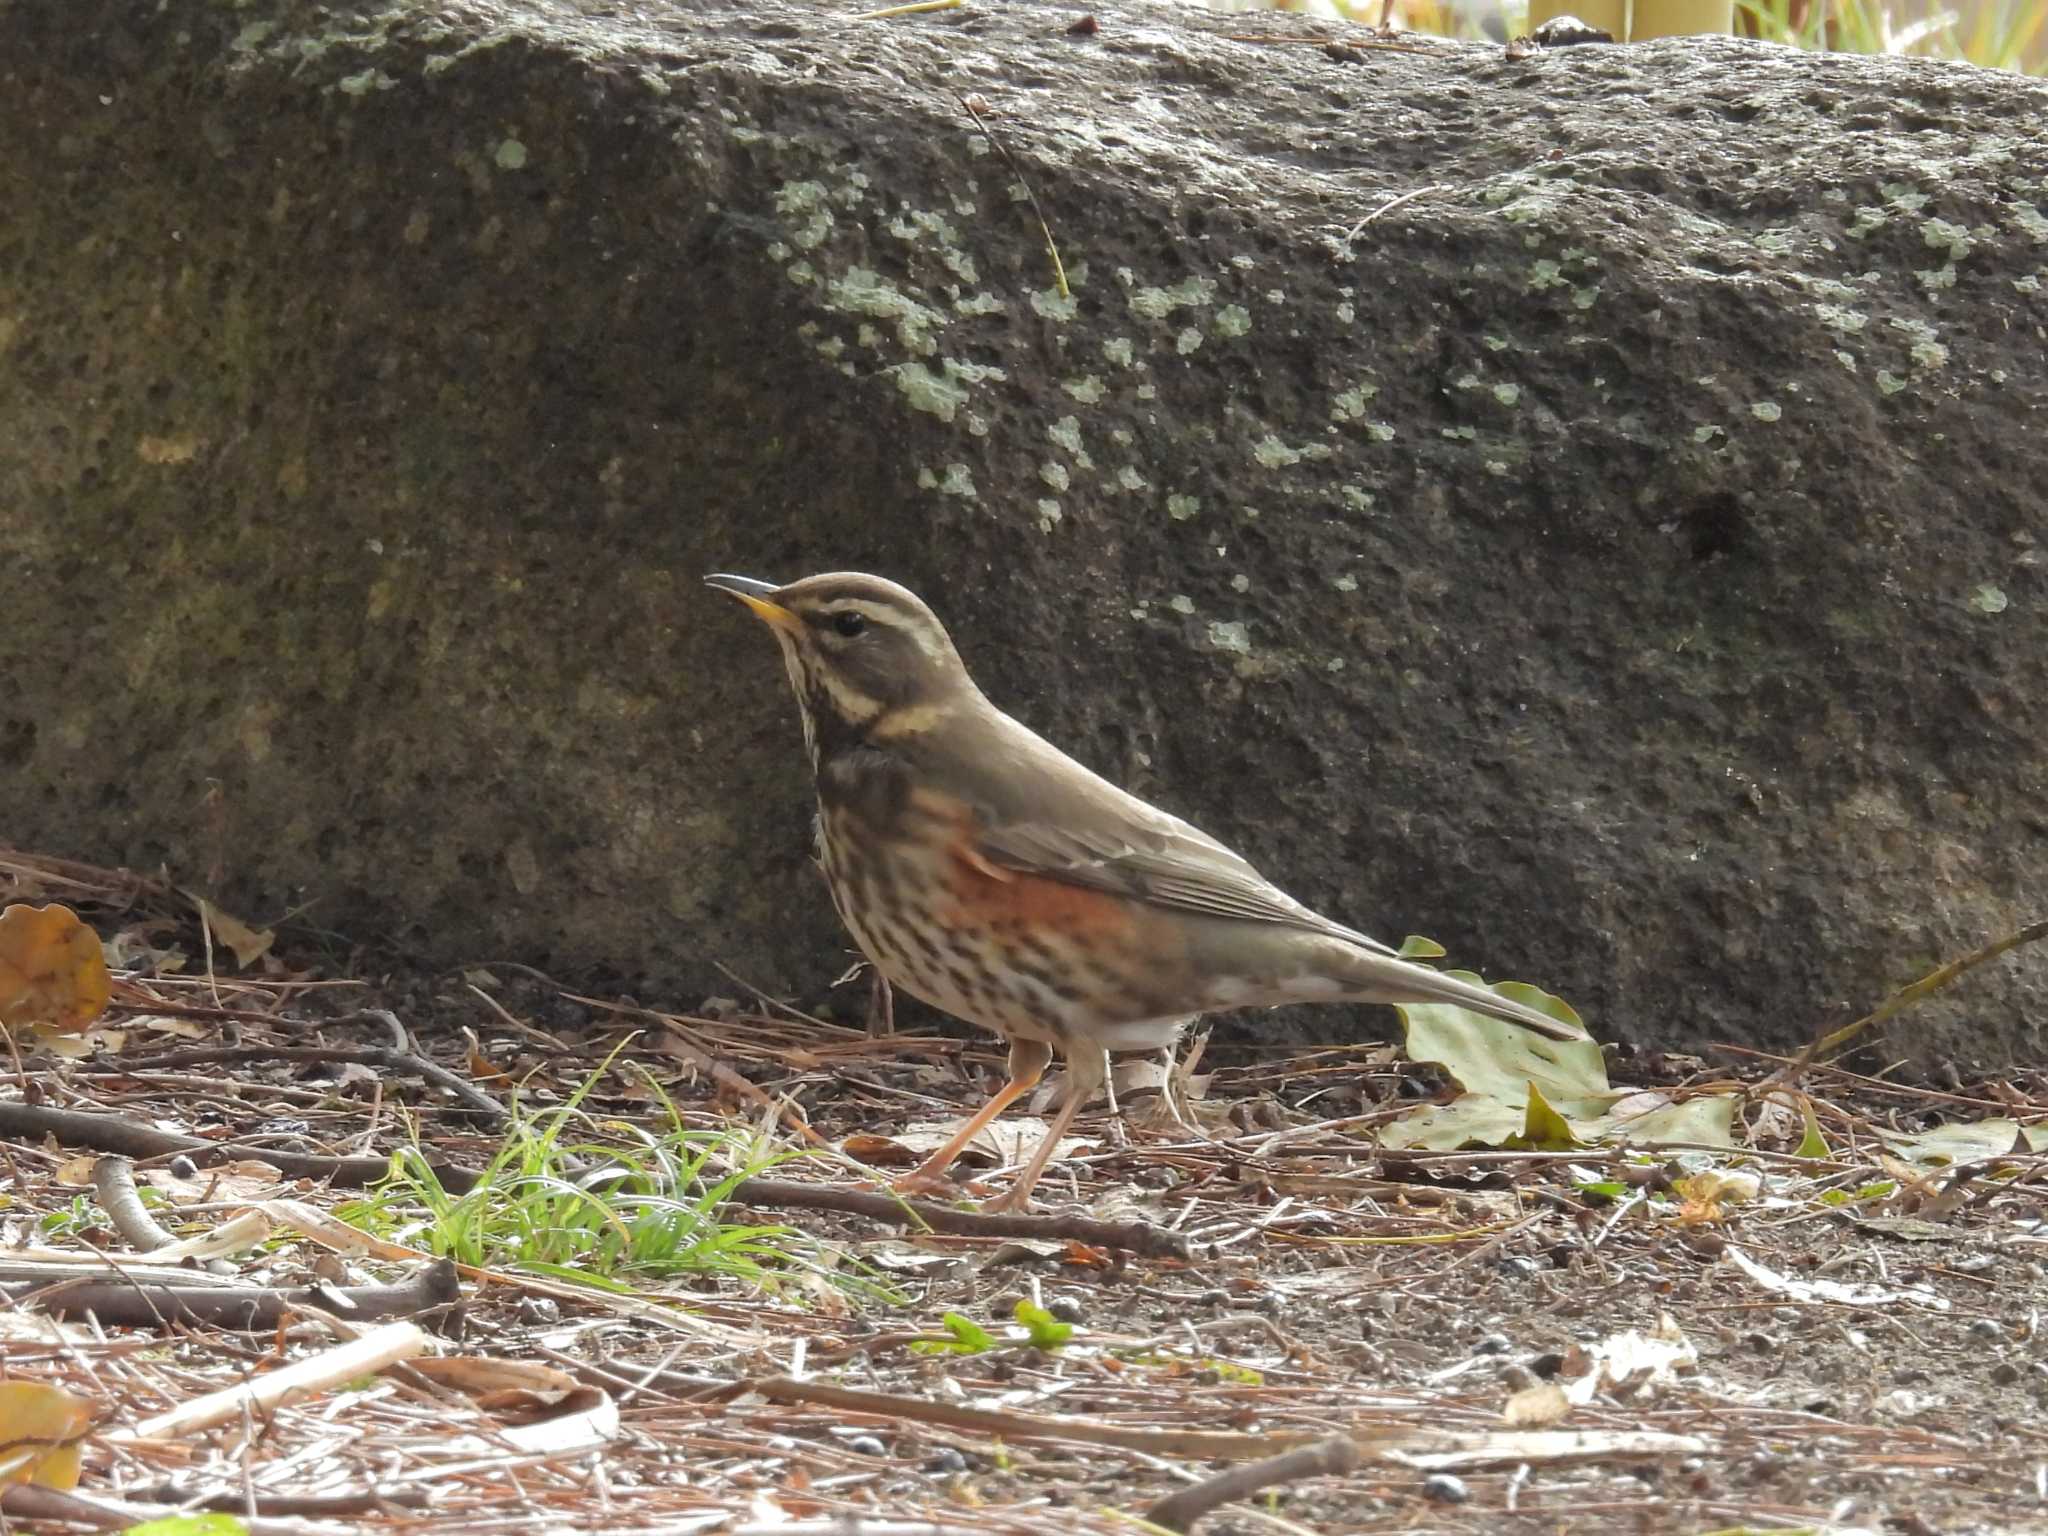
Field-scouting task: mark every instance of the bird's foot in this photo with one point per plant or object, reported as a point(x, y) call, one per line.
point(927, 1186)
point(1013, 1201)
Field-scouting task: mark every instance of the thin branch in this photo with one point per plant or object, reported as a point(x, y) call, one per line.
point(1179, 1510)
point(1137, 1237)
point(113, 1186)
point(1052, 249)
point(131, 1138)
point(1902, 999)
point(1009, 1424)
point(398, 1062)
point(302, 1378)
point(249, 1309)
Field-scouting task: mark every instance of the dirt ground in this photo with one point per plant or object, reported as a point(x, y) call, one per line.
point(1506, 1341)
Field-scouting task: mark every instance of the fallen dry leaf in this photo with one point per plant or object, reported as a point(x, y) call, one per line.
point(52, 972)
point(40, 1426)
point(249, 944)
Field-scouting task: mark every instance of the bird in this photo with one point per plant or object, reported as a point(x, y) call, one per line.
point(985, 871)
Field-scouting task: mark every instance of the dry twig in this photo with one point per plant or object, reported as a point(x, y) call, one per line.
point(1137, 1237)
point(131, 1138)
point(1179, 1510)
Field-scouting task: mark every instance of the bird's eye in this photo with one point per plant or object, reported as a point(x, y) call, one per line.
point(849, 623)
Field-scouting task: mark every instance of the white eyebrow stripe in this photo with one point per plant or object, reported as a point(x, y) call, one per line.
point(881, 612)
point(927, 638)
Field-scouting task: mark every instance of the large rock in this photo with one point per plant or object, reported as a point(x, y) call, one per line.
point(1582, 507)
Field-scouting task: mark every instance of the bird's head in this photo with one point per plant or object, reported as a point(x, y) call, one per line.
point(866, 657)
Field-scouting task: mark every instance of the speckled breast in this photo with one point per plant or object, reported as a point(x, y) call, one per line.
point(1014, 952)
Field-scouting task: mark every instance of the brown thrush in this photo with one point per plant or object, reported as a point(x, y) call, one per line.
point(985, 871)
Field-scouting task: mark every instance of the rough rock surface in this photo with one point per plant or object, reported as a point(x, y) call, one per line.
point(1586, 508)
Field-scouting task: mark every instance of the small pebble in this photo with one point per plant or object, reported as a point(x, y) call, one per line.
point(1547, 1364)
point(2005, 1373)
point(1067, 1309)
point(1518, 1378)
point(1760, 1342)
point(866, 1445)
point(1445, 1489)
point(1987, 1328)
point(539, 1309)
point(1493, 1344)
point(946, 1460)
point(182, 1167)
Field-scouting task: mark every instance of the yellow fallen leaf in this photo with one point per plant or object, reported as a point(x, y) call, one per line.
point(40, 1426)
point(249, 944)
point(52, 972)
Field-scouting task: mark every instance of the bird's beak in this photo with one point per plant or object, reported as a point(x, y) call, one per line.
point(759, 596)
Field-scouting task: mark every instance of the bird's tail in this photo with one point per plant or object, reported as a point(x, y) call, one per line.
point(1371, 978)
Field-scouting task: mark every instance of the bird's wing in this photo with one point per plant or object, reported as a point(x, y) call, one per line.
point(1037, 811)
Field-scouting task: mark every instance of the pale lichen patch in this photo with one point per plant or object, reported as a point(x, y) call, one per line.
point(1953, 238)
point(806, 207)
point(865, 292)
point(1271, 453)
point(1349, 405)
point(1159, 303)
point(941, 394)
point(1234, 636)
point(1051, 304)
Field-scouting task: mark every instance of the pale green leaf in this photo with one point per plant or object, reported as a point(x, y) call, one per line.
point(1969, 1141)
point(1543, 1128)
point(1812, 1144)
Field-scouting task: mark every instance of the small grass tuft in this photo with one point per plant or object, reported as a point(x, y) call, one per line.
point(603, 1203)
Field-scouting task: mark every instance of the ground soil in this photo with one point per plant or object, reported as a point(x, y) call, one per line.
point(1328, 1287)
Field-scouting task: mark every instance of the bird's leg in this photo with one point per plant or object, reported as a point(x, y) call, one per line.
point(1085, 1068)
point(1028, 1059)
point(881, 1003)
